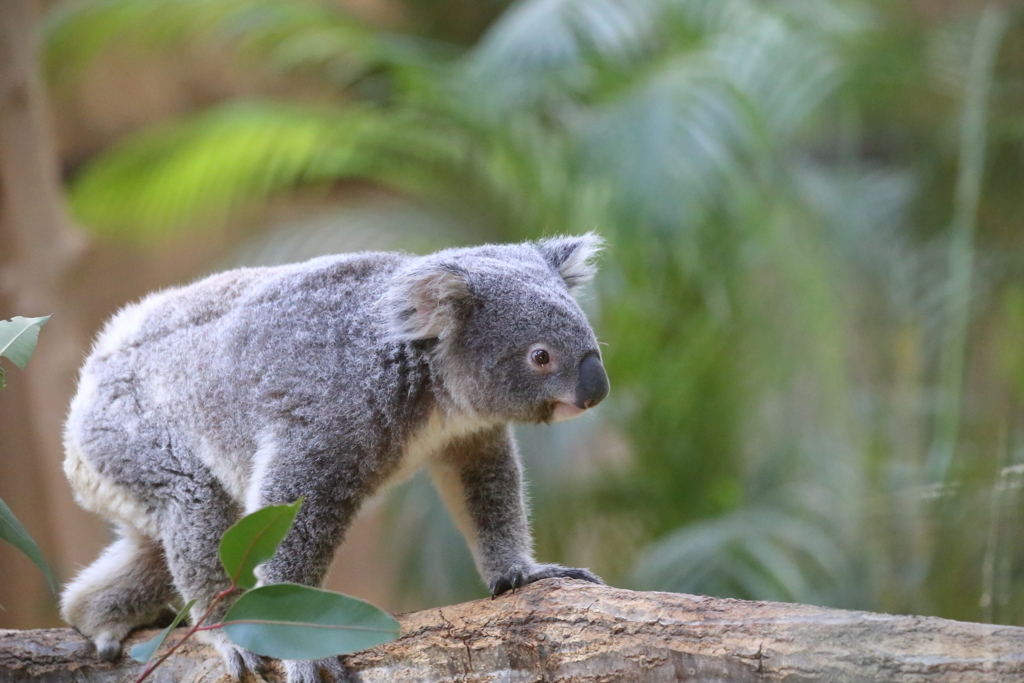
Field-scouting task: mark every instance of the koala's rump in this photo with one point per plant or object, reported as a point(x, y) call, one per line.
point(176, 388)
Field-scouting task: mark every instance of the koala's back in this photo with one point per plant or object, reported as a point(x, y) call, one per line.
point(188, 379)
point(210, 306)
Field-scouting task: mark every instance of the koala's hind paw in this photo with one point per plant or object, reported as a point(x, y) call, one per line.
point(107, 648)
point(517, 577)
point(329, 670)
point(241, 664)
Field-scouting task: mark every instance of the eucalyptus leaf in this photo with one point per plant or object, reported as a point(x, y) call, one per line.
point(289, 621)
point(18, 338)
point(143, 652)
point(12, 531)
point(254, 539)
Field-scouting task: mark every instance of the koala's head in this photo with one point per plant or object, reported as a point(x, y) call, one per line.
point(510, 341)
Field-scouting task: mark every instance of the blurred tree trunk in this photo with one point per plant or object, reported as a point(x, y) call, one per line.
point(576, 632)
point(41, 255)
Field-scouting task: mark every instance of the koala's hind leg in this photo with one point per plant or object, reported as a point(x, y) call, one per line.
point(192, 526)
point(332, 491)
point(127, 587)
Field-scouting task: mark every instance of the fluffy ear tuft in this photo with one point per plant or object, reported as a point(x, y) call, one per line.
point(425, 302)
point(573, 257)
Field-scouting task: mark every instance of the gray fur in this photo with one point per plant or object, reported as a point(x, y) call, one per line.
point(325, 379)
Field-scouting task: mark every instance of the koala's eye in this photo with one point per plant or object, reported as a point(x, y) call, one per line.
point(542, 360)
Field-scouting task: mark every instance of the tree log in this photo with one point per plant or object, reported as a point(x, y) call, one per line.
point(561, 630)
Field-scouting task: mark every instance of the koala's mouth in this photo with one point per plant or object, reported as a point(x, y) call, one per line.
point(565, 411)
point(556, 411)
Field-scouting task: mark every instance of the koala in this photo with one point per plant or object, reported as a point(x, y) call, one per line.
point(329, 380)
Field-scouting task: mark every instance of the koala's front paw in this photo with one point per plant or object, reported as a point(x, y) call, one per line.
point(329, 670)
point(556, 571)
point(509, 581)
point(518, 576)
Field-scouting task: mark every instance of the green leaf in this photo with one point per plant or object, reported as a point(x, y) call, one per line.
point(18, 338)
point(13, 532)
point(202, 170)
point(289, 621)
point(254, 539)
point(75, 34)
point(143, 652)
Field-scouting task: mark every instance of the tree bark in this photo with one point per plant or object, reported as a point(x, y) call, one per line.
point(562, 630)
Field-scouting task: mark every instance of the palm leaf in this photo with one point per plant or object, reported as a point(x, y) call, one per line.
point(674, 147)
point(288, 35)
point(785, 72)
point(554, 34)
point(551, 50)
point(766, 554)
point(202, 169)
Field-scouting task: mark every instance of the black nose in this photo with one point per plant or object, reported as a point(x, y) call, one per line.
point(592, 386)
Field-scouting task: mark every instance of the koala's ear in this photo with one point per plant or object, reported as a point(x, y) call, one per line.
point(426, 302)
point(573, 257)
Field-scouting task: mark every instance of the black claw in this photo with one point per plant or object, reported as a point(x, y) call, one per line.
point(505, 584)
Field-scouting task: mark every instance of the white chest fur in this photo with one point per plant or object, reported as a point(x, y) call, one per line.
point(429, 442)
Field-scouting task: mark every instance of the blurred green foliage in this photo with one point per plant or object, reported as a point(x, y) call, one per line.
point(811, 302)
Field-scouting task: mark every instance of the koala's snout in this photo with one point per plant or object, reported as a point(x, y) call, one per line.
point(592, 385)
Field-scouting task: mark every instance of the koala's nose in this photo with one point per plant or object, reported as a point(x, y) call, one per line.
point(592, 385)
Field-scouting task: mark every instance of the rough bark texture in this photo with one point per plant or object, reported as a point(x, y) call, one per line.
point(574, 631)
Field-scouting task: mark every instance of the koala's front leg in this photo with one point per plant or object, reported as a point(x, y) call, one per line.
point(481, 481)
